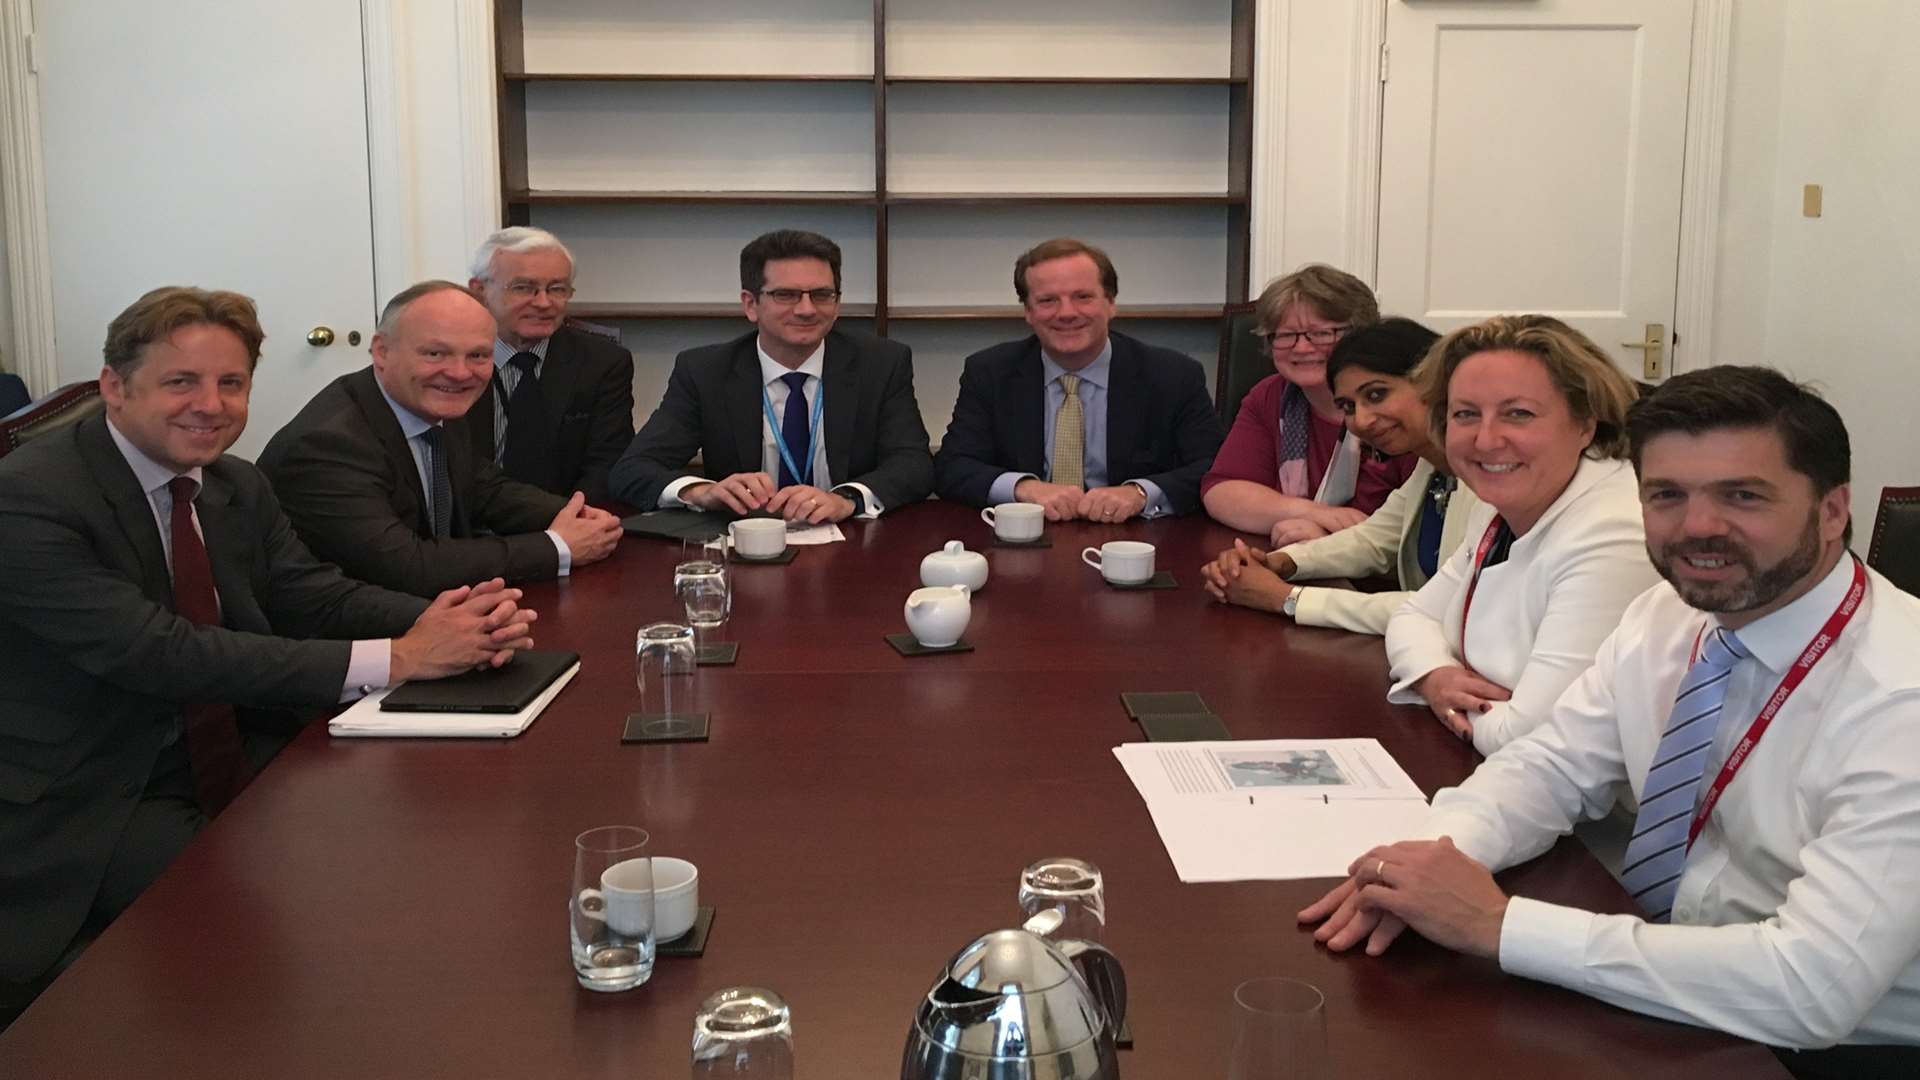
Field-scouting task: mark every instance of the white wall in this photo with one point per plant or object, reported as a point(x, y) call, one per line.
point(9, 360)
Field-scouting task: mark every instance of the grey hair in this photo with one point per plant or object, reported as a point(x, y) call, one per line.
point(515, 239)
point(390, 315)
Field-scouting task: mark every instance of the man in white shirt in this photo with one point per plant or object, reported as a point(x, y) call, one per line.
point(1776, 852)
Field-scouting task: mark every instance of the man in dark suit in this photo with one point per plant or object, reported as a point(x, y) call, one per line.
point(154, 605)
point(379, 474)
point(559, 409)
point(796, 418)
point(1087, 423)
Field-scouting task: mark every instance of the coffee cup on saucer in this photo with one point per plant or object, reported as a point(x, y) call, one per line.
point(759, 538)
point(1121, 562)
point(1016, 523)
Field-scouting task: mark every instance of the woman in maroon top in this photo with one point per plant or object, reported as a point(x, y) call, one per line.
point(1289, 457)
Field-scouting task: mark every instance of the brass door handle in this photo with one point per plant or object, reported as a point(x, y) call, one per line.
point(1653, 349)
point(320, 337)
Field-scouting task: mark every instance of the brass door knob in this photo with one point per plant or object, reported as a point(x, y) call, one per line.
point(320, 337)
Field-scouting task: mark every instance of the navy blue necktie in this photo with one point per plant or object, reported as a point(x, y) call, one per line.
point(528, 440)
point(795, 429)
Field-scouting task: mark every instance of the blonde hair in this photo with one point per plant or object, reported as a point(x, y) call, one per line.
point(1593, 388)
point(1332, 294)
point(155, 316)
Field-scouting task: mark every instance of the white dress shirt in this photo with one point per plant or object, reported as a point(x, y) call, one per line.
point(368, 663)
point(506, 380)
point(773, 379)
point(1797, 921)
point(1539, 615)
point(1387, 541)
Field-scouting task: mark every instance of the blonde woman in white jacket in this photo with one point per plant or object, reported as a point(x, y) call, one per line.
point(1409, 536)
point(1533, 418)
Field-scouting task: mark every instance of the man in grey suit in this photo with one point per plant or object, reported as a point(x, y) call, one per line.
point(157, 616)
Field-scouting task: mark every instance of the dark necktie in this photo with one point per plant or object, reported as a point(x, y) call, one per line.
point(795, 430)
point(528, 440)
point(213, 732)
point(440, 482)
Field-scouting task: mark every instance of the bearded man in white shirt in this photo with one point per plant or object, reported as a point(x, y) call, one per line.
point(1777, 846)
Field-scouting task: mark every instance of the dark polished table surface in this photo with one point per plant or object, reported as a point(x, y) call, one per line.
point(376, 908)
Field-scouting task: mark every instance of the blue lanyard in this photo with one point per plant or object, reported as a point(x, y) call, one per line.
point(813, 432)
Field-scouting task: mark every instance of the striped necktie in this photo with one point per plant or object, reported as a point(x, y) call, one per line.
point(1069, 437)
point(439, 483)
point(1657, 854)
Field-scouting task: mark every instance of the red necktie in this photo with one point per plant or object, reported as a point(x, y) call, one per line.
point(213, 732)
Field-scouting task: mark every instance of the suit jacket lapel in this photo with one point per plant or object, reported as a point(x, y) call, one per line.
point(743, 395)
point(480, 422)
point(130, 507)
point(557, 378)
point(1125, 405)
point(224, 531)
point(365, 391)
point(1029, 394)
point(842, 407)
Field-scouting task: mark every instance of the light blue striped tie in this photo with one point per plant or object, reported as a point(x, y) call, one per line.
point(1658, 851)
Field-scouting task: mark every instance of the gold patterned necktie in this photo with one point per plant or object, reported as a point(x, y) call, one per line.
point(1069, 436)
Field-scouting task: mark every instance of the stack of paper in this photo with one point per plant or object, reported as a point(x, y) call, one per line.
point(364, 718)
point(1275, 809)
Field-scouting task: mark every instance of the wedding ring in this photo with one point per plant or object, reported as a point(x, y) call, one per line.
point(1380, 870)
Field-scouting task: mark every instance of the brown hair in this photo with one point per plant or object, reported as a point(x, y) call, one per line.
point(1332, 294)
point(1060, 248)
point(1593, 388)
point(158, 314)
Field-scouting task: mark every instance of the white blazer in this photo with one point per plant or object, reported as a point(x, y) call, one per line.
point(1539, 617)
point(1388, 540)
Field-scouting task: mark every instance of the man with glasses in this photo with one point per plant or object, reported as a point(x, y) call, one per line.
point(559, 409)
point(794, 418)
point(1089, 424)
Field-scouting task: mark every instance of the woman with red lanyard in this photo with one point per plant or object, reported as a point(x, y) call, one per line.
point(1289, 456)
point(1533, 418)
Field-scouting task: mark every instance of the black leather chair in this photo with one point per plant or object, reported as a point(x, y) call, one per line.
point(67, 405)
point(1244, 360)
point(1895, 550)
point(13, 394)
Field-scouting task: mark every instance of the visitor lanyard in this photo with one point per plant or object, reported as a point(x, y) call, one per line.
point(1809, 656)
point(813, 431)
point(1479, 562)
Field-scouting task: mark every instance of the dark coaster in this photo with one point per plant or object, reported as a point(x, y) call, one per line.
point(1123, 1039)
point(665, 727)
point(1043, 542)
point(1161, 580)
point(906, 646)
point(1184, 727)
point(717, 654)
point(694, 941)
point(1141, 703)
point(781, 559)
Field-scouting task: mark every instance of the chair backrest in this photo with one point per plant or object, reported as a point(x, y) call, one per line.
point(68, 405)
point(1244, 360)
point(1895, 550)
point(13, 393)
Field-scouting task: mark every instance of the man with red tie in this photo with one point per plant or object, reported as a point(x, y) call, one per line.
point(157, 618)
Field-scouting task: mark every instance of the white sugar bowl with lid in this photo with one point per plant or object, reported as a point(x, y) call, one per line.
point(954, 565)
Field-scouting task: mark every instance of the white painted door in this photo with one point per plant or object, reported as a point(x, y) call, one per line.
point(211, 143)
point(1531, 163)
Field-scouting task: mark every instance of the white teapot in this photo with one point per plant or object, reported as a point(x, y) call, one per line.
point(938, 615)
point(955, 565)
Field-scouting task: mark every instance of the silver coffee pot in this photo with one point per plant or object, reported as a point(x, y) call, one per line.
point(1015, 1006)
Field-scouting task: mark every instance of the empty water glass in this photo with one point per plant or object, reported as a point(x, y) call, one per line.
point(1279, 1031)
point(611, 908)
point(1071, 887)
point(663, 668)
point(743, 1031)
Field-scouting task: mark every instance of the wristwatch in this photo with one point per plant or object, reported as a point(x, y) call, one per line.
point(1292, 603)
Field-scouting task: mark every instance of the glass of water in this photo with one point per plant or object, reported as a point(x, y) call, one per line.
point(612, 908)
point(1071, 887)
point(702, 583)
point(743, 1031)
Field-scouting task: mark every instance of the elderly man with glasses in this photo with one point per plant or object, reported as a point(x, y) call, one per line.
point(794, 418)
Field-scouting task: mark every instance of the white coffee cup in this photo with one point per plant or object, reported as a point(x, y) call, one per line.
point(676, 897)
point(759, 538)
point(1123, 562)
point(1017, 522)
point(626, 896)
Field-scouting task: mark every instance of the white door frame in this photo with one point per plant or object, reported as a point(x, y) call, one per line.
point(23, 181)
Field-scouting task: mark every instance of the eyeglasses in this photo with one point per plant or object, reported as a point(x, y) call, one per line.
point(1287, 339)
point(527, 290)
point(820, 297)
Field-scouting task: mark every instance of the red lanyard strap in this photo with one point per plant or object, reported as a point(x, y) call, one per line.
point(1809, 656)
point(1473, 581)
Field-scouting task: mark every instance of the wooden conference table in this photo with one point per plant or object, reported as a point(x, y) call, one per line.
point(374, 908)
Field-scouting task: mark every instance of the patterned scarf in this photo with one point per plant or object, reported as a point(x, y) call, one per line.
point(1295, 417)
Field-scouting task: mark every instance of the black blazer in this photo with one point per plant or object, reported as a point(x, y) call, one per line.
point(588, 384)
point(1161, 426)
point(713, 407)
point(347, 479)
point(94, 664)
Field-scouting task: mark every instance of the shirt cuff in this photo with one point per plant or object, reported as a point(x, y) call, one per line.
point(872, 510)
point(1311, 608)
point(566, 556)
point(1157, 505)
point(369, 667)
point(1003, 485)
point(670, 495)
point(1544, 941)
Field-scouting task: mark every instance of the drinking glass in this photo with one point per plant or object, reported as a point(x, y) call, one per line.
point(743, 1031)
point(702, 583)
point(611, 908)
point(1072, 887)
point(1279, 1031)
point(663, 668)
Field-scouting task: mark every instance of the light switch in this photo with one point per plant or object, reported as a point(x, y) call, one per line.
point(1810, 200)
